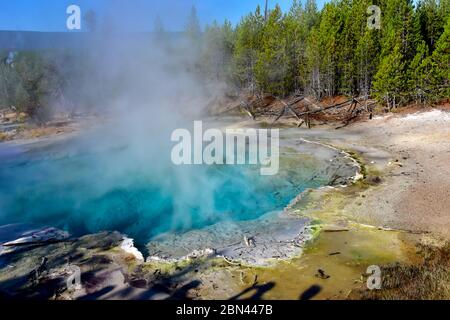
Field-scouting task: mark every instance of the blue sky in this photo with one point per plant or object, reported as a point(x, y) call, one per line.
point(50, 15)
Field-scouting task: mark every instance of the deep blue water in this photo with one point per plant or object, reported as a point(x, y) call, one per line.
point(134, 191)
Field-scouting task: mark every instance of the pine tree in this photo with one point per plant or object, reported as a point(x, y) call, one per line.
point(159, 33)
point(334, 52)
point(441, 59)
point(366, 60)
point(90, 19)
point(353, 19)
point(296, 36)
point(444, 9)
point(193, 30)
point(158, 27)
point(429, 21)
point(357, 48)
point(247, 47)
point(390, 78)
point(37, 80)
point(311, 16)
point(313, 81)
point(323, 53)
point(397, 50)
point(434, 71)
point(272, 65)
point(415, 76)
point(12, 92)
point(217, 51)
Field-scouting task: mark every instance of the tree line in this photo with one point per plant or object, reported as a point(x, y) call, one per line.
point(37, 82)
point(332, 51)
point(306, 51)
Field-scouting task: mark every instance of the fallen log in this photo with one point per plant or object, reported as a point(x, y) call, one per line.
point(288, 108)
point(279, 116)
point(357, 106)
point(228, 110)
point(247, 110)
point(336, 106)
point(336, 230)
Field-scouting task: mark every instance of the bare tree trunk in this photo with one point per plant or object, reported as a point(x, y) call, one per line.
point(265, 11)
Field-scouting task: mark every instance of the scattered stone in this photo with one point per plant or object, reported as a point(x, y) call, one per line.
point(249, 242)
point(374, 180)
point(322, 275)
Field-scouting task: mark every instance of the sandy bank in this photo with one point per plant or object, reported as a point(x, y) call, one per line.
point(413, 151)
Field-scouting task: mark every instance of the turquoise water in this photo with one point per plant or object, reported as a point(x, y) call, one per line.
point(84, 189)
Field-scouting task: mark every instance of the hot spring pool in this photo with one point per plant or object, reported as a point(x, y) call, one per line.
point(82, 188)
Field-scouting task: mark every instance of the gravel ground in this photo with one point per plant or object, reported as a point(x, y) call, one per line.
point(415, 194)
